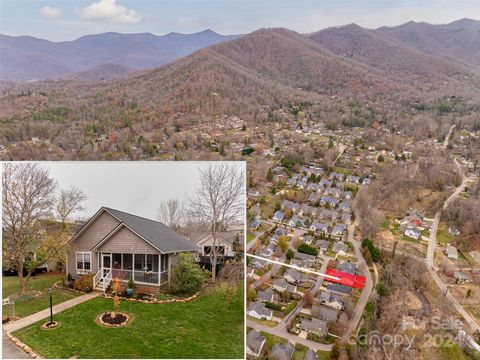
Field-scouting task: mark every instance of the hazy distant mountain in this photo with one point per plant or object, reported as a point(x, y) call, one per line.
point(27, 58)
point(458, 40)
point(103, 72)
point(394, 58)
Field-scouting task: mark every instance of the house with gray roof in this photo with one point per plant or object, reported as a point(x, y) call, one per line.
point(278, 216)
point(255, 343)
point(281, 285)
point(258, 310)
point(332, 300)
point(266, 295)
point(282, 351)
point(315, 326)
point(325, 313)
point(338, 229)
point(347, 218)
point(339, 288)
point(307, 259)
point(322, 245)
point(311, 355)
point(451, 252)
point(319, 227)
point(294, 277)
point(225, 242)
point(344, 207)
point(258, 263)
point(340, 248)
point(347, 267)
point(348, 194)
point(114, 243)
point(307, 239)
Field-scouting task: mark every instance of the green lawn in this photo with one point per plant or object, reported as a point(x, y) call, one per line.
point(208, 327)
point(250, 237)
point(25, 305)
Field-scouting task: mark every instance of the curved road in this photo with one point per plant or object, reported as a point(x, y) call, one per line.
point(469, 319)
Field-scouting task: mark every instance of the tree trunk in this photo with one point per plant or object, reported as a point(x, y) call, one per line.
point(21, 279)
point(214, 257)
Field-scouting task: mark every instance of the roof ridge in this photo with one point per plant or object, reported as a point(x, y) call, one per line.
point(138, 216)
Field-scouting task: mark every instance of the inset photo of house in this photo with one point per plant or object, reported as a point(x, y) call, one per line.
point(123, 260)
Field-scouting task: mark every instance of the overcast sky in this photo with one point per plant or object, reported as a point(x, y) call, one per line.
point(133, 186)
point(69, 19)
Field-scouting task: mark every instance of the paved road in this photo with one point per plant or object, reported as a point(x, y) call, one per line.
point(447, 138)
point(283, 333)
point(342, 149)
point(367, 289)
point(469, 319)
point(12, 351)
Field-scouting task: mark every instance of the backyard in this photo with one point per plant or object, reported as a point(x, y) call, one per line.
point(26, 304)
point(208, 327)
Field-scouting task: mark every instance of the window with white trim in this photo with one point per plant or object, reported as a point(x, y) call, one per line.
point(84, 261)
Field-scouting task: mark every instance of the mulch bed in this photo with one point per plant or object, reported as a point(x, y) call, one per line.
point(121, 319)
point(117, 320)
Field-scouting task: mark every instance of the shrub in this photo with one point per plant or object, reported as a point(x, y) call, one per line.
point(290, 254)
point(69, 277)
point(84, 283)
point(131, 283)
point(307, 249)
point(187, 276)
point(374, 251)
point(290, 307)
point(272, 305)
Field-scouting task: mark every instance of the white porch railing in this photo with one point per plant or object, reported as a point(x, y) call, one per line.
point(97, 278)
point(146, 277)
point(107, 280)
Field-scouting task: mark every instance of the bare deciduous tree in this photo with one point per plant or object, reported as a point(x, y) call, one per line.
point(219, 201)
point(171, 213)
point(35, 219)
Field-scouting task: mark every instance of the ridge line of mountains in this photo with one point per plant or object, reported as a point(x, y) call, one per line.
point(338, 58)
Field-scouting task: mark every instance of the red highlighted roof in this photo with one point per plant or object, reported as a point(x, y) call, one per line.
point(353, 281)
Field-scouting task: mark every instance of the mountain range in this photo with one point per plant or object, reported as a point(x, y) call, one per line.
point(418, 51)
point(30, 58)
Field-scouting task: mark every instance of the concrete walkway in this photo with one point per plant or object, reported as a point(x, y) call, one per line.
point(31, 319)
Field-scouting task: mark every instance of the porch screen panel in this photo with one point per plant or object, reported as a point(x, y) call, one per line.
point(164, 262)
point(152, 262)
point(139, 261)
point(117, 261)
point(127, 261)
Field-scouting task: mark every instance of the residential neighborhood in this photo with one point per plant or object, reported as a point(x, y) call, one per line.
point(290, 296)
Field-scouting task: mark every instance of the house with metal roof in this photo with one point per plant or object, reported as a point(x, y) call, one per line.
point(116, 244)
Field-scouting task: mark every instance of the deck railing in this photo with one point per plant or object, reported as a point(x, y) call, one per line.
point(148, 277)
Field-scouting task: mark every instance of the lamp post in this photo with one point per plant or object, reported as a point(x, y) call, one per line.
point(51, 309)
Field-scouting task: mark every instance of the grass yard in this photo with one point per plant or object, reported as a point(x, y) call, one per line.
point(26, 305)
point(250, 237)
point(208, 327)
point(269, 323)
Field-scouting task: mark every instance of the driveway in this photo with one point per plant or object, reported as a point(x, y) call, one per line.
point(12, 351)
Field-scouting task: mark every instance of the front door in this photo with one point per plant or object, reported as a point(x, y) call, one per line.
point(106, 263)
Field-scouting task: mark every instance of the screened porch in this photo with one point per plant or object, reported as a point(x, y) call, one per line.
point(150, 269)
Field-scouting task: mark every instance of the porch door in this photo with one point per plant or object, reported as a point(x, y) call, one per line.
point(106, 263)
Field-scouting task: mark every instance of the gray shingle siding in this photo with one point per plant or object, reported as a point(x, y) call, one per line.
point(125, 241)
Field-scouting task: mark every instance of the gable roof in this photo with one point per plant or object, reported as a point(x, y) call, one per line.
point(155, 233)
